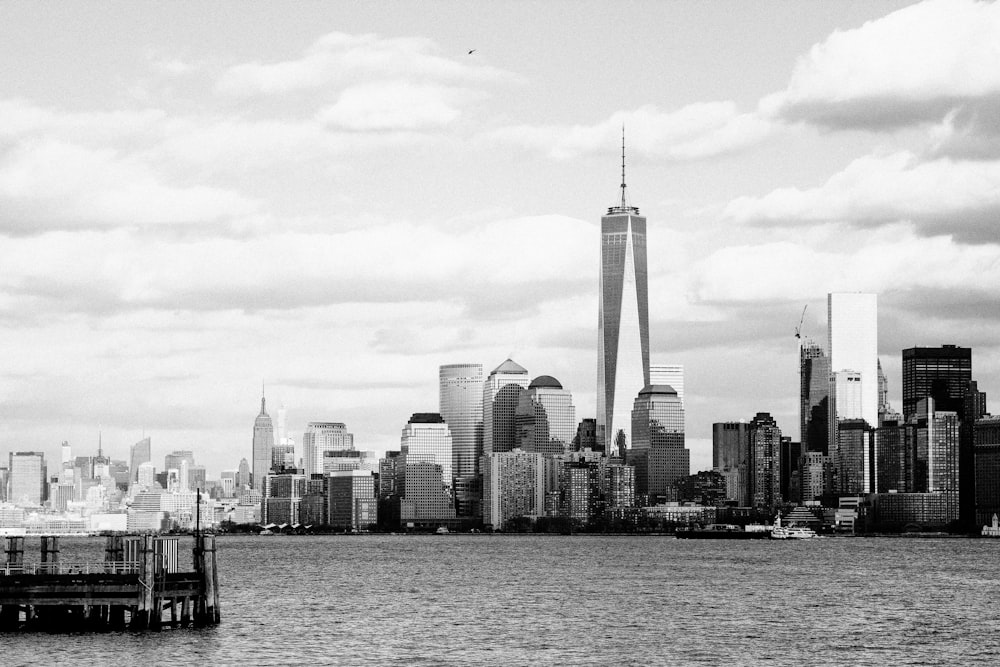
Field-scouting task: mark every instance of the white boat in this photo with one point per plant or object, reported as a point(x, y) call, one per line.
point(779, 532)
point(992, 530)
point(442, 530)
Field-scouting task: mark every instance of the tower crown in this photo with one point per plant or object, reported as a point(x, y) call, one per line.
point(624, 207)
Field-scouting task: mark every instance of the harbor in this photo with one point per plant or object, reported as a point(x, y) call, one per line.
point(139, 585)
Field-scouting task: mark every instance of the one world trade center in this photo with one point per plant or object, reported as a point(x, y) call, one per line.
point(623, 322)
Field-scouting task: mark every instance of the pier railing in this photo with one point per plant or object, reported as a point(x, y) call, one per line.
point(102, 567)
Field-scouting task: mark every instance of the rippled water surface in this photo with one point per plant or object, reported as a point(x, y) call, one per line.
point(572, 600)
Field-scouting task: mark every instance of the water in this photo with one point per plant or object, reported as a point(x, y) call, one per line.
point(580, 600)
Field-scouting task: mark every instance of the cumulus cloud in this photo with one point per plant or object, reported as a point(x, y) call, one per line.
point(695, 131)
point(392, 105)
point(937, 196)
point(913, 65)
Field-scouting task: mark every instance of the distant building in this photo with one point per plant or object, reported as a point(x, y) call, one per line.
point(853, 346)
point(27, 477)
point(501, 393)
point(460, 391)
point(765, 457)
point(282, 496)
point(243, 479)
point(427, 439)
point(853, 466)
point(263, 441)
point(586, 436)
point(815, 474)
point(580, 490)
point(814, 397)
point(545, 418)
point(671, 375)
point(730, 456)
point(139, 453)
point(353, 504)
point(513, 486)
point(658, 436)
point(424, 498)
point(987, 453)
point(322, 437)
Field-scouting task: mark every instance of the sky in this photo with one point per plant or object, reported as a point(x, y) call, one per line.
point(334, 199)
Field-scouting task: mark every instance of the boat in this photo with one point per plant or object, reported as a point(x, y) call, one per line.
point(779, 532)
point(719, 531)
point(993, 530)
point(442, 530)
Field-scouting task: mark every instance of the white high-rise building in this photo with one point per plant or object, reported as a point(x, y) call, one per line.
point(668, 374)
point(263, 442)
point(501, 393)
point(427, 439)
point(847, 387)
point(323, 437)
point(853, 344)
point(546, 417)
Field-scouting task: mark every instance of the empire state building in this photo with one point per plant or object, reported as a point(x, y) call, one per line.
point(623, 322)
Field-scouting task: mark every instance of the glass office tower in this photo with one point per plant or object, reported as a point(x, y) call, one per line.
point(461, 405)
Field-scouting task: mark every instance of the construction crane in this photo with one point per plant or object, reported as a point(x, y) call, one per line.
point(798, 329)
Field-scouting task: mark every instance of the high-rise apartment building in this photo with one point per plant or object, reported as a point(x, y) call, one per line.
point(139, 453)
point(765, 456)
point(461, 406)
point(263, 441)
point(623, 321)
point(658, 435)
point(322, 437)
point(814, 396)
point(26, 478)
point(513, 486)
point(501, 394)
point(730, 457)
point(545, 417)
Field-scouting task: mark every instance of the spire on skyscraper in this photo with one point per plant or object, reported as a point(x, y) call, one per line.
point(624, 208)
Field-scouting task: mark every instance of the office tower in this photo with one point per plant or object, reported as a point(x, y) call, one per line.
point(174, 459)
point(27, 478)
point(283, 456)
point(460, 402)
point(282, 497)
point(263, 441)
point(427, 439)
point(352, 502)
point(145, 475)
point(321, 437)
point(658, 436)
point(139, 453)
point(854, 460)
point(814, 474)
point(513, 486)
point(893, 461)
point(243, 480)
point(671, 375)
point(814, 395)
point(987, 453)
point(501, 393)
point(945, 374)
point(623, 321)
point(424, 499)
point(853, 345)
point(848, 391)
point(67, 454)
point(389, 472)
point(730, 456)
point(791, 456)
point(765, 456)
point(545, 417)
point(586, 436)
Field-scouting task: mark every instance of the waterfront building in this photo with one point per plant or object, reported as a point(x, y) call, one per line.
point(460, 393)
point(619, 484)
point(730, 456)
point(671, 375)
point(427, 438)
point(389, 472)
point(814, 397)
point(987, 454)
point(263, 441)
point(424, 499)
point(765, 457)
point(352, 501)
point(27, 478)
point(513, 486)
point(853, 346)
point(501, 393)
point(545, 417)
point(658, 432)
point(282, 496)
point(139, 453)
point(580, 491)
point(322, 437)
point(623, 321)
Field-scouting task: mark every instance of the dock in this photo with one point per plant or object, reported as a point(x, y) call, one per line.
point(138, 586)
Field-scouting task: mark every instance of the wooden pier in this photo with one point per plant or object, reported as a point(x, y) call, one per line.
point(137, 586)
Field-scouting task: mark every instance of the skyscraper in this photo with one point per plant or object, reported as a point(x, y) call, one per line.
point(426, 439)
point(501, 393)
point(668, 374)
point(853, 344)
point(322, 437)
point(765, 455)
point(814, 396)
point(26, 478)
point(461, 406)
point(623, 321)
point(942, 373)
point(140, 453)
point(263, 441)
point(658, 432)
point(730, 456)
point(545, 417)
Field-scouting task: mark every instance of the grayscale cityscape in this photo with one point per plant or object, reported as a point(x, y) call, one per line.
point(414, 317)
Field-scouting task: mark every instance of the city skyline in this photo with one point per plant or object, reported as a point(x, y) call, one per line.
point(184, 210)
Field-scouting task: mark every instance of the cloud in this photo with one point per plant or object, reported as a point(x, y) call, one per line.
point(911, 66)
point(700, 130)
point(339, 59)
point(938, 196)
point(391, 105)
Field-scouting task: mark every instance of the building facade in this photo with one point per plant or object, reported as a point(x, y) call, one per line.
point(765, 457)
point(658, 434)
point(545, 417)
point(460, 403)
point(263, 441)
point(322, 437)
point(513, 486)
point(427, 438)
point(26, 479)
point(501, 394)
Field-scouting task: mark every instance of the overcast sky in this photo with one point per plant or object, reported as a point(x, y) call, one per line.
point(337, 198)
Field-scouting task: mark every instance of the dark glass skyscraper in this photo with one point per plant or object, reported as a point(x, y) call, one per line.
point(814, 395)
point(942, 373)
point(623, 321)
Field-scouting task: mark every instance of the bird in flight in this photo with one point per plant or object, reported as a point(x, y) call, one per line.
point(471, 51)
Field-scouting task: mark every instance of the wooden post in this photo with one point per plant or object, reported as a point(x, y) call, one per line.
point(186, 611)
point(15, 551)
point(207, 607)
point(143, 617)
point(50, 554)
